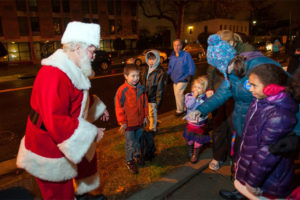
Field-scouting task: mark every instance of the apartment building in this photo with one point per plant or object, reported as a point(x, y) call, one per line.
point(31, 29)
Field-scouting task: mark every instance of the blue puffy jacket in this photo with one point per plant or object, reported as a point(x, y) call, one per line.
point(181, 67)
point(267, 121)
point(241, 95)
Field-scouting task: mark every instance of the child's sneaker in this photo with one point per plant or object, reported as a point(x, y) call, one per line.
point(215, 165)
point(132, 167)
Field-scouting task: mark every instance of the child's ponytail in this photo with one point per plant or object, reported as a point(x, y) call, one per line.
point(294, 86)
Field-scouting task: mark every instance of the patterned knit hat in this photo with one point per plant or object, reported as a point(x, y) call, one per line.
point(219, 54)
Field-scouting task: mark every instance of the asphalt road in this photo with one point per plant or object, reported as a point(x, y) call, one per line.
point(15, 98)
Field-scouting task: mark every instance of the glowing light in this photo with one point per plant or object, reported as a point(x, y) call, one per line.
point(254, 22)
point(13, 42)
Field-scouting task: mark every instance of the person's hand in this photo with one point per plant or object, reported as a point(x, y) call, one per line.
point(209, 93)
point(285, 145)
point(123, 128)
point(105, 116)
point(145, 121)
point(100, 134)
point(194, 115)
point(256, 191)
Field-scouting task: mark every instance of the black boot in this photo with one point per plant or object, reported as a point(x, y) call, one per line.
point(234, 195)
point(195, 156)
point(190, 150)
point(87, 196)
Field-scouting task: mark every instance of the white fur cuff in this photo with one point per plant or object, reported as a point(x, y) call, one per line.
point(87, 184)
point(79, 143)
point(96, 109)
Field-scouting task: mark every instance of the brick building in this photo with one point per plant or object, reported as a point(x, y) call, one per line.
point(32, 29)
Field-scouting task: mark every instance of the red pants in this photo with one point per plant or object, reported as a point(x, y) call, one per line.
point(65, 189)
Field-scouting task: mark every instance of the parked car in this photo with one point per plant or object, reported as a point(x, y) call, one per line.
point(102, 61)
point(140, 58)
point(196, 51)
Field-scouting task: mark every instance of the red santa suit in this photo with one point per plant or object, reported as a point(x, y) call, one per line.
point(65, 148)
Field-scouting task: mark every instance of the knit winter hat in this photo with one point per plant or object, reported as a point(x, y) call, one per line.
point(219, 54)
point(88, 33)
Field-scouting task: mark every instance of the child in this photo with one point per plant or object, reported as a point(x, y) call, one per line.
point(270, 117)
point(131, 107)
point(154, 80)
point(195, 132)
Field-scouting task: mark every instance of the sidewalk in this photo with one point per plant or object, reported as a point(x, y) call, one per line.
point(180, 174)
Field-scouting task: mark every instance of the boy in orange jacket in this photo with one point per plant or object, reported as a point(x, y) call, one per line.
point(131, 106)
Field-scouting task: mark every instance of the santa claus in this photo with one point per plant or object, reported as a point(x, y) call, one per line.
point(60, 140)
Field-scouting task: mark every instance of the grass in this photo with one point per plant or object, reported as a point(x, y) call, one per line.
point(117, 182)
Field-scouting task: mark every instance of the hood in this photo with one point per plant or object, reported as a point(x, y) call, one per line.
point(283, 100)
point(156, 53)
point(219, 54)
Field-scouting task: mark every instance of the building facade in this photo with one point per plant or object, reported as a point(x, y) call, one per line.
point(192, 30)
point(31, 29)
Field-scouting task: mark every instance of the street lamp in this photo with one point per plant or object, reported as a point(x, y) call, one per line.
point(254, 22)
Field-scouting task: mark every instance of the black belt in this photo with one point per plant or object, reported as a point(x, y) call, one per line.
point(36, 119)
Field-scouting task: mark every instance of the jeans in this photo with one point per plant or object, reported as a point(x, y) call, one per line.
point(179, 96)
point(132, 143)
point(152, 116)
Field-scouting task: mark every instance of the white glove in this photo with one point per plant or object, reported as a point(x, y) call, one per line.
point(194, 115)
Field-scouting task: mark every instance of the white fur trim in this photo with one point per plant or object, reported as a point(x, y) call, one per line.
point(78, 144)
point(87, 184)
point(60, 60)
point(88, 33)
point(50, 169)
point(96, 110)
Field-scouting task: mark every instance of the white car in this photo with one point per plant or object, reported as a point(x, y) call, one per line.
point(140, 59)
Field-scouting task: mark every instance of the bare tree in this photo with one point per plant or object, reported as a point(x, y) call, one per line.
point(171, 10)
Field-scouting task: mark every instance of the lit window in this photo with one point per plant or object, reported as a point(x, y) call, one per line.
point(57, 26)
point(112, 26)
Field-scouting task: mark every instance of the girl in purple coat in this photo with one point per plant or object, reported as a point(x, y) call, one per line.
point(270, 117)
point(195, 132)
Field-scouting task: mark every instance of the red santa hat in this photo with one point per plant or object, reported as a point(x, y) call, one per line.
point(88, 33)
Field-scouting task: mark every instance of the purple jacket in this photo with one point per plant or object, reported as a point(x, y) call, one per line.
point(266, 122)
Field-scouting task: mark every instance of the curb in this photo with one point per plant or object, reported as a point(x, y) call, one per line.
point(168, 184)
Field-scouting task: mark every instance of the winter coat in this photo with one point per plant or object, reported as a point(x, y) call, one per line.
point(191, 104)
point(240, 94)
point(155, 85)
point(131, 105)
point(267, 121)
point(181, 67)
point(60, 97)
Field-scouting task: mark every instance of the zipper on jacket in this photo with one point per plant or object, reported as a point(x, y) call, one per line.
point(237, 163)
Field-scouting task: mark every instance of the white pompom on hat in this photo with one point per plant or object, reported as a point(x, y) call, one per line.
point(88, 33)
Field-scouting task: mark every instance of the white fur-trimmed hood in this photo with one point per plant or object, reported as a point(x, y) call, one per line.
point(60, 60)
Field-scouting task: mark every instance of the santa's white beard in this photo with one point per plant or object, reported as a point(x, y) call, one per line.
point(86, 66)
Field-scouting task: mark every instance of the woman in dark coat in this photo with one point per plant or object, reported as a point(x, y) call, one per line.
point(271, 116)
